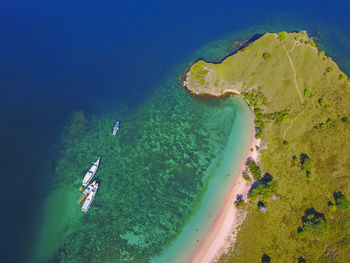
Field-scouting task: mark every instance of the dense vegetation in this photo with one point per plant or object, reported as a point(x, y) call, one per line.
point(314, 224)
point(305, 129)
point(263, 191)
point(256, 100)
point(254, 169)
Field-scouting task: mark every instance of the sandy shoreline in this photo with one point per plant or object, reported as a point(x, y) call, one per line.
point(221, 233)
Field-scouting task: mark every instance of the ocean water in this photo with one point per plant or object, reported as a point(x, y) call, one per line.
point(68, 69)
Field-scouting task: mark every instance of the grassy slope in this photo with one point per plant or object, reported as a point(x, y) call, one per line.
point(275, 232)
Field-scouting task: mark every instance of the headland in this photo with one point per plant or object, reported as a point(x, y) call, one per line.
point(301, 102)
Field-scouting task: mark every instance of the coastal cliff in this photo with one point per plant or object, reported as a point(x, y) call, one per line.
point(301, 101)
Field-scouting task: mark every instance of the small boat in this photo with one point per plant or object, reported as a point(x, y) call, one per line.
point(88, 176)
point(116, 128)
point(90, 198)
point(86, 192)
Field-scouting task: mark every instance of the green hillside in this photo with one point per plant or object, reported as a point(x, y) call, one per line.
point(302, 106)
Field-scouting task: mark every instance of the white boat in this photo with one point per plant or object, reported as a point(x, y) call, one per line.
point(86, 192)
point(116, 128)
point(89, 199)
point(88, 176)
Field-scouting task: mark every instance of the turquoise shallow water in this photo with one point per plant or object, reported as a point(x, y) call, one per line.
point(153, 176)
point(218, 178)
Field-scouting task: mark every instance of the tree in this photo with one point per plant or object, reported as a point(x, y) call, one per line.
point(254, 169)
point(306, 163)
point(341, 201)
point(263, 190)
point(280, 116)
point(239, 203)
point(314, 224)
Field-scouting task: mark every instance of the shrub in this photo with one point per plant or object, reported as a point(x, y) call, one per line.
point(197, 69)
point(282, 35)
point(312, 42)
point(332, 206)
point(345, 120)
point(325, 125)
point(323, 103)
point(309, 176)
point(329, 69)
point(245, 176)
point(265, 259)
point(266, 55)
point(321, 53)
point(261, 207)
point(308, 93)
point(341, 76)
point(202, 81)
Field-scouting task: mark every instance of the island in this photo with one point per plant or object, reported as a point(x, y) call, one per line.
point(295, 207)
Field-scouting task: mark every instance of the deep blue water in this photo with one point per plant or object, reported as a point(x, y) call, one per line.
point(60, 56)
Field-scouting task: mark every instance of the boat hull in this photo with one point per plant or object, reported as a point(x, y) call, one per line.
point(92, 171)
point(82, 198)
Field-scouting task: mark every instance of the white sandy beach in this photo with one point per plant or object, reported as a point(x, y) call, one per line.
point(221, 233)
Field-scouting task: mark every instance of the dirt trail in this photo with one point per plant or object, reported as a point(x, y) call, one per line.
point(294, 72)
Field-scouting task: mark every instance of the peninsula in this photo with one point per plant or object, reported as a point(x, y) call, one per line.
point(297, 206)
